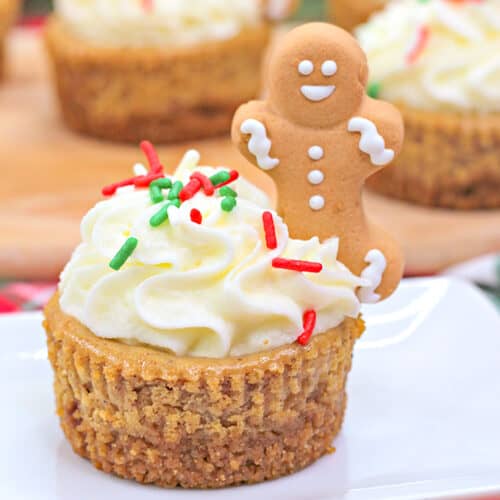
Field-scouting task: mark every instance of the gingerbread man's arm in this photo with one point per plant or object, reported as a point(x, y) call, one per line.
point(381, 133)
point(250, 133)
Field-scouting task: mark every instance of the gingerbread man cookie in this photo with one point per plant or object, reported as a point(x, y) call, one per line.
point(320, 137)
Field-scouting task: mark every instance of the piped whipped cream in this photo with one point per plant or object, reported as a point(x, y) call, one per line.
point(206, 289)
point(436, 55)
point(142, 23)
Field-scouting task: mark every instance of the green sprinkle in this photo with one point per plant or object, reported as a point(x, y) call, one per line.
point(155, 189)
point(162, 215)
point(227, 191)
point(220, 178)
point(163, 183)
point(123, 254)
point(373, 89)
point(155, 193)
point(176, 189)
point(228, 203)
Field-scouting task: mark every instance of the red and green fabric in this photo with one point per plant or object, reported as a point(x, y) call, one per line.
point(21, 296)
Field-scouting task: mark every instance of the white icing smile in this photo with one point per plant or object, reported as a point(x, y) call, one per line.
point(317, 93)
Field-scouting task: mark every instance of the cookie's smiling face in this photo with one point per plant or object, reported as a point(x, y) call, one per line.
point(318, 76)
point(316, 92)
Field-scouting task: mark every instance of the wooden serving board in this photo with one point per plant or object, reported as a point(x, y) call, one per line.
point(50, 177)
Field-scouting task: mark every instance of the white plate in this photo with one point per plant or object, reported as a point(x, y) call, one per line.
point(422, 422)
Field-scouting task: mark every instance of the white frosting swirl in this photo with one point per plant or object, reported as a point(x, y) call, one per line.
point(143, 23)
point(201, 290)
point(457, 68)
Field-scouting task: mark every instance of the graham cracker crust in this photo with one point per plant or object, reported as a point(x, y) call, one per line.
point(147, 415)
point(164, 94)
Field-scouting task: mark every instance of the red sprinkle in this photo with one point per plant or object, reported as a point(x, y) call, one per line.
point(233, 175)
point(269, 230)
point(190, 189)
point(196, 216)
point(152, 156)
point(308, 323)
point(111, 189)
point(155, 172)
point(421, 41)
point(147, 5)
point(207, 185)
point(33, 22)
point(139, 181)
point(146, 180)
point(302, 266)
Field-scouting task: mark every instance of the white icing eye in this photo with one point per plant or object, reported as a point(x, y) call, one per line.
point(306, 67)
point(329, 68)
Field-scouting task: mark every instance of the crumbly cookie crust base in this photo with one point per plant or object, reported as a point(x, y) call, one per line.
point(162, 94)
point(147, 415)
point(448, 160)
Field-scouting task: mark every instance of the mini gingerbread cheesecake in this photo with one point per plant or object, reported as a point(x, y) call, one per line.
point(351, 13)
point(198, 339)
point(217, 353)
point(167, 70)
point(8, 10)
point(438, 62)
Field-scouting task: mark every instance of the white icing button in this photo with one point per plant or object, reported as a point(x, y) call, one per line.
point(317, 202)
point(329, 68)
point(306, 67)
point(316, 153)
point(316, 177)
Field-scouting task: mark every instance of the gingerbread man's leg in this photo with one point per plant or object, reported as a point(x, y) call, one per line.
point(380, 132)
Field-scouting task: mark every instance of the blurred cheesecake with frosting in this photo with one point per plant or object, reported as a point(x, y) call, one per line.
point(169, 70)
point(439, 62)
point(8, 9)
